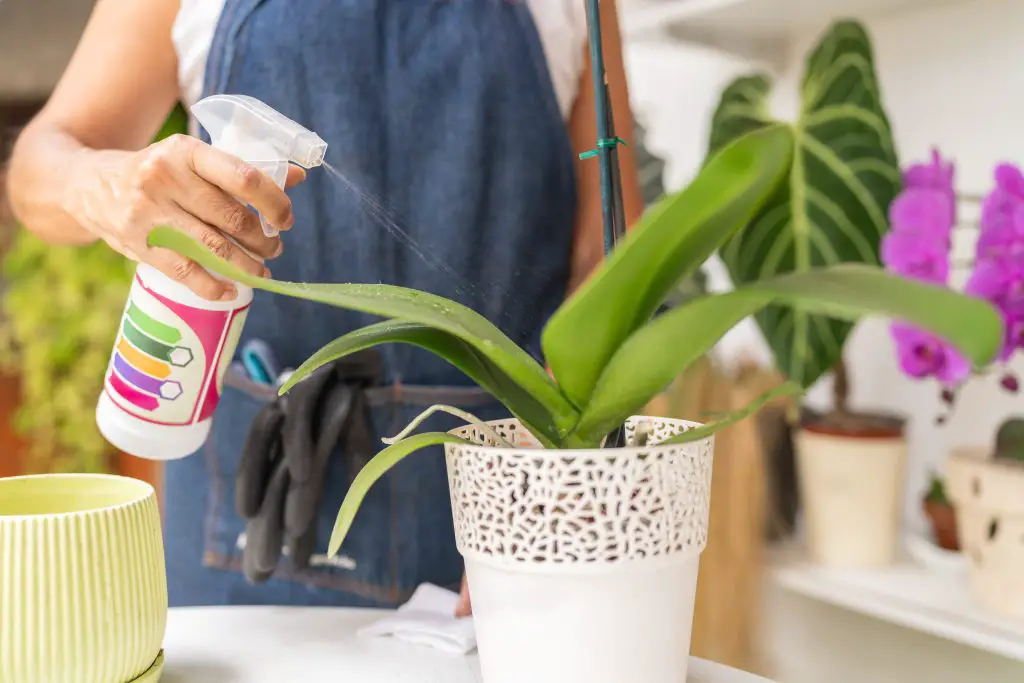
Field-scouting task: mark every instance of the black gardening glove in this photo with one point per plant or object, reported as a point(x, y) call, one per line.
point(281, 477)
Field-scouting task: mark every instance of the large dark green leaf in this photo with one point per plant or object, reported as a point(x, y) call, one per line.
point(478, 367)
point(833, 208)
point(374, 470)
point(653, 356)
point(672, 241)
point(406, 304)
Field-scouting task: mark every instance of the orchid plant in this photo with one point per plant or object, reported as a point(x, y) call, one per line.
point(919, 247)
point(608, 353)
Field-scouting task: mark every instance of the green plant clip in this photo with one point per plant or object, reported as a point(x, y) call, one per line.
point(603, 143)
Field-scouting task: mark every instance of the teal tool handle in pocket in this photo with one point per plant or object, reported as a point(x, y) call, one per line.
point(258, 361)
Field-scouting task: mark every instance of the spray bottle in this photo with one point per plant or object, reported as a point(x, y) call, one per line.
point(167, 368)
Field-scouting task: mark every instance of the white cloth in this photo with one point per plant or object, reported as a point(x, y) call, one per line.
point(562, 25)
point(428, 619)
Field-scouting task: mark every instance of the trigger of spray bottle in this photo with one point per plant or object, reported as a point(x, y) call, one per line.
point(260, 136)
point(166, 372)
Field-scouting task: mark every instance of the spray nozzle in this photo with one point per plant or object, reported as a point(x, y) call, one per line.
point(244, 123)
point(259, 135)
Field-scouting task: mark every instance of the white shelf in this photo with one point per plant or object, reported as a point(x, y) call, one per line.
point(731, 20)
point(912, 597)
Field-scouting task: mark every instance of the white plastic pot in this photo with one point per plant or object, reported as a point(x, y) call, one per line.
point(851, 489)
point(989, 499)
point(582, 564)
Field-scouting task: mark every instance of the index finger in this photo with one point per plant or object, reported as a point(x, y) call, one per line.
point(245, 182)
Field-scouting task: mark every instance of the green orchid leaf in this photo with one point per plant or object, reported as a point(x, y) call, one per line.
point(788, 388)
point(657, 353)
point(533, 414)
point(833, 207)
point(671, 242)
point(402, 303)
point(374, 470)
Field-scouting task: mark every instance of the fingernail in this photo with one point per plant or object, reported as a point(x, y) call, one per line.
point(266, 272)
point(229, 293)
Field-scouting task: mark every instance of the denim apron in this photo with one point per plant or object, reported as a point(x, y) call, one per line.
point(443, 119)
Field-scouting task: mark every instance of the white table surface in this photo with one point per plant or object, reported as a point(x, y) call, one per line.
point(319, 645)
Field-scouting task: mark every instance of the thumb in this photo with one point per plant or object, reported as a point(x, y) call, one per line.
point(464, 607)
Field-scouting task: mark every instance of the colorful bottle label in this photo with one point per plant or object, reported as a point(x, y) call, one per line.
point(169, 359)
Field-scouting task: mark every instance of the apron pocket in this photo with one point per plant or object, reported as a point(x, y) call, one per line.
point(402, 535)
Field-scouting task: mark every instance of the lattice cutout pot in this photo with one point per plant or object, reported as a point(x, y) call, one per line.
point(989, 499)
point(582, 564)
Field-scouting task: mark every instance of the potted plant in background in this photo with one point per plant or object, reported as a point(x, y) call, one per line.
point(987, 487)
point(938, 550)
point(61, 307)
point(831, 208)
point(941, 515)
point(582, 560)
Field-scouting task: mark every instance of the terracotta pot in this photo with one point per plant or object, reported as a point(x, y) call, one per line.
point(851, 485)
point(943, 519)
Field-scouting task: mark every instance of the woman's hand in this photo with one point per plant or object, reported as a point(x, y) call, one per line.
point(183, 182)
point(464, 607)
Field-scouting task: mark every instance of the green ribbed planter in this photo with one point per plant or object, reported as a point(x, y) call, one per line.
point(83, 588)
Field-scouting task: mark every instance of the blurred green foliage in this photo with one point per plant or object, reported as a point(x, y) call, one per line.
point(60, 310)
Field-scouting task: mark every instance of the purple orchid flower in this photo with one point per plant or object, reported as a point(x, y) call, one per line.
point(924, 211)
point(917, 247)
point(911, 255)
point(922, 354)
point(937, 175)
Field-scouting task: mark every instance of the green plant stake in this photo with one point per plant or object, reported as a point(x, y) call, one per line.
point(607, 141)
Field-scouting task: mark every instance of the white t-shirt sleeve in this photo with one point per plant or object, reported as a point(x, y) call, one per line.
point(192, 35)
point(562, 25)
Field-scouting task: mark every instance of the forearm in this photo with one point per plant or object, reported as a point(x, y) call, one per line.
point(43, 174)
point(586, 256)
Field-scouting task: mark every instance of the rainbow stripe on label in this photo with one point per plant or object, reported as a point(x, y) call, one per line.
point(147, 351)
